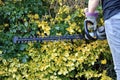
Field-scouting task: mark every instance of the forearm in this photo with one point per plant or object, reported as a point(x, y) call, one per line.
point(92, 5)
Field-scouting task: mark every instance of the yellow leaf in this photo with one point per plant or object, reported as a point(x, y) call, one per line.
point(47, 32)
point(6, 25)
point(2, 72)
point(63, 71)
point(70, 30)
point(103, 61)
point(38, 33)
point(37, 21)
point(70, 63)
point(101, 20)
point(36, 16)
point(0, 52)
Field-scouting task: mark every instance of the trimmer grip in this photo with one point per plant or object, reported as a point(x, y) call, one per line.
point(90, 35)
point(101, 33)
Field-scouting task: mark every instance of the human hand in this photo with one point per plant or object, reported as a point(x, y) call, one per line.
point(90, 24)
point(91, 17)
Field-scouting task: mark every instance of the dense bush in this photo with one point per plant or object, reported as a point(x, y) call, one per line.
point(59, 60)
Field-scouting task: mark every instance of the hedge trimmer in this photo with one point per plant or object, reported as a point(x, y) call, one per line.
point(91, 32)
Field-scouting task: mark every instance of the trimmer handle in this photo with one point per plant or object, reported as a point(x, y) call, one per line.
point(90, 31)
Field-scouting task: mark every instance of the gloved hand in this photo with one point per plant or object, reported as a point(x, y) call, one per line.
point(90, 24)
point(91, 15)
point(92, 18)
point(98, 32)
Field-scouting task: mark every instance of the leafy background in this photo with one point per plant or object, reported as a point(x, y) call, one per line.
point(58, 60)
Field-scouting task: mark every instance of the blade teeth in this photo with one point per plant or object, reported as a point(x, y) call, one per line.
point(39, 41)
point(30, 37)
point(18, 41)
point(22, 41)
point(26, 41)
point(34, 36)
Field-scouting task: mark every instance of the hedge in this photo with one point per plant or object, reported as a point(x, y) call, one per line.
point(58, 60)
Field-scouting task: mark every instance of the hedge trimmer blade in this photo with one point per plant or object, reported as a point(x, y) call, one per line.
point(49, 38)
point(90, 34)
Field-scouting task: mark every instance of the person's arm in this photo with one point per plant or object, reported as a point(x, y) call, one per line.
point(92, 5)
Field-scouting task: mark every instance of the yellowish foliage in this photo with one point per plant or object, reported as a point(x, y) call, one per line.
point(1, 2)
point(104, 61)
point(104, 77)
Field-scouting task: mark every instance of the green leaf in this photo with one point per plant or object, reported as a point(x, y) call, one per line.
point(23, 47)
point(25, 59)
point(26, 24)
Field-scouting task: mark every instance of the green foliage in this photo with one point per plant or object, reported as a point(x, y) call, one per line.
point(59, 60)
